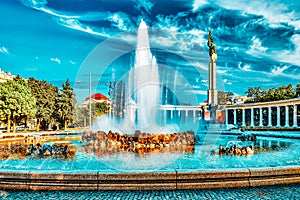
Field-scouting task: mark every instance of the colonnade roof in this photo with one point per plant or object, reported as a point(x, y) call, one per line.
point(287, 102)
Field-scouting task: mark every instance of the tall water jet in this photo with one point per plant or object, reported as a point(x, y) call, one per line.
point(143, 84)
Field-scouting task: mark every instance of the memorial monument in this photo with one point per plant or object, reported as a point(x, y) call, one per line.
point(212, 91)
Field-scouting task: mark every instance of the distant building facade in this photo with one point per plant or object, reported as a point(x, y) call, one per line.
point(99, 98)
point(4, 76)
point(241, 99)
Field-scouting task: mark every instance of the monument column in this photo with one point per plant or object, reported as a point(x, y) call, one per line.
point(278, 116)
point(252, 117)
point(295, 116)
point(270, 116)
point(212, 90)
point(287, 116)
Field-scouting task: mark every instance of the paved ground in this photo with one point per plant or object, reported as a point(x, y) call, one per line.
point(270, 192)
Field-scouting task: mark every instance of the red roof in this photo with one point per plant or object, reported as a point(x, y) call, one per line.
point(98, 97)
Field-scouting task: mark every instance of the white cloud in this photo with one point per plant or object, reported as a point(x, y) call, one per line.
point(163, 41)
point(222, 71)
point(75, 24)
point(274, 12)
point(290, 56)
point(246, 67)
point(72, 62)
point(200, 66)
point(227, 82)
point(201, 92)
point(121, 21)
point(41, 5)
point(185, 40)
point(279, 70)
point(146, 4)
point(4, 50)
point(256, 48)
point(57, 60)
point(198, 3)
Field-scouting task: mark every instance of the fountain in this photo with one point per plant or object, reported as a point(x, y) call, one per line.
point(151, 159)
point(142, 95)
point(143, 85)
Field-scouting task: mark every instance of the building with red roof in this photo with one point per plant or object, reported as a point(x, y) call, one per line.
point(98, 97)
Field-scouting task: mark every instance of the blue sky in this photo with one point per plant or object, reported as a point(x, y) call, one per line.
point(258, 42)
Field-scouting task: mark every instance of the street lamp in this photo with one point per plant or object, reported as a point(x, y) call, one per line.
point(90, 99)
point(90, 95)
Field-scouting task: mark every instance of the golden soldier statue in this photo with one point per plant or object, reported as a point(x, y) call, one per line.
point(212, 48)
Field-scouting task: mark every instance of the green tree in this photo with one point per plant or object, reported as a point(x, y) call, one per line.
point(274, 94)
point(80, 115)
point(297, 90)
point(99, 109)
point(224, 97)
point(16, 102)
point(255, 93)
point(46, 95)
point(66, 104)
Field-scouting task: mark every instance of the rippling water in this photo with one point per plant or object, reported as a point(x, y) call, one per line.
point(269, 152)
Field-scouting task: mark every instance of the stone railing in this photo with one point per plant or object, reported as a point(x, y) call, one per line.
point(171, 180)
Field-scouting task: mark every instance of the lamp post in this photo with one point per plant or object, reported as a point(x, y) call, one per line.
point(89, 83)
point(90, 100)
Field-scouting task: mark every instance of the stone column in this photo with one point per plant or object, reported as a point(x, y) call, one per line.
point(260, 117)
point(295, 116)
point(243, 117)
point(252, 117)
point(226, 116)
point(278, 116)
point(260, 144)
point(270, 116)
point(287, 116)
point(234, 116)
point(171, 114)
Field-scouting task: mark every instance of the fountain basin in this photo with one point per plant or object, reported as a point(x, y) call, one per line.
point(197, 170)
point(161, 180)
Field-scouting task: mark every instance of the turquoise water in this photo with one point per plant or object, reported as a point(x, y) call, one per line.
point(273, 152)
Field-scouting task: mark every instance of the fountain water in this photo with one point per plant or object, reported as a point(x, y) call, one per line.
point(141, 95)
point(145, 89)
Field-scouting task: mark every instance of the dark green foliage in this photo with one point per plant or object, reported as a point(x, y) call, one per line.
point(298, 90)
point(66, 104)
point(224, 97)
point(274, 94)
point(46, 96)
point(99, 109)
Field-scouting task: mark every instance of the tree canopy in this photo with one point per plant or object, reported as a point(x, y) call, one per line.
point(16, 101)
point(46, 96)
point(258, 94)
point(66, 104)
